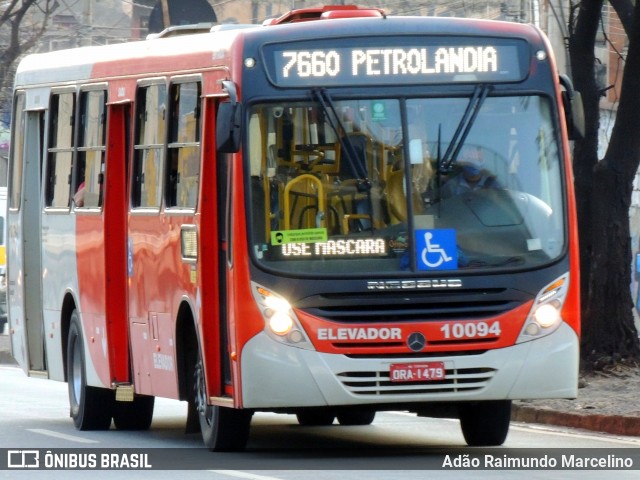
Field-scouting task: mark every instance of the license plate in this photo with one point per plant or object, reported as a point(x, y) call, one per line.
point(417, 372)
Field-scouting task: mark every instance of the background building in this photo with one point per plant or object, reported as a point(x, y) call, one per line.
point(99, 22)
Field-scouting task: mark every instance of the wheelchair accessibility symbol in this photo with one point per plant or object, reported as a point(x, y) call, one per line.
point(437, 249)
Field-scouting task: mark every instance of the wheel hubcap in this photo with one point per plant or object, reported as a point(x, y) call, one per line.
point(76, 371)
point(205, 411)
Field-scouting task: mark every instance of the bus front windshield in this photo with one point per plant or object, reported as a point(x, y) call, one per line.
point(400, 186)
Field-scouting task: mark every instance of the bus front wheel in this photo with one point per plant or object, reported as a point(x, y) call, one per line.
point(485, 424)
point(91, 408)
point(316, 417)
point(222, 428)
point(356, 417)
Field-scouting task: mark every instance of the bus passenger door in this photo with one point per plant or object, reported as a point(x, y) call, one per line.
point(24, 243)
point(213, 264)
point(115, 226)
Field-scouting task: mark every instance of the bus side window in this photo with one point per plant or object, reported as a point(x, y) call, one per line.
point(183, 162)
point(17, 151)
point(60, 149)
point(89, 168)
point(151, 112)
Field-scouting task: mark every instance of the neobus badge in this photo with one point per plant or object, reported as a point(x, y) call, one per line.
point(413, 284)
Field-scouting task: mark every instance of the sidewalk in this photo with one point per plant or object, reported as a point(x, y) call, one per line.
point(607, 402)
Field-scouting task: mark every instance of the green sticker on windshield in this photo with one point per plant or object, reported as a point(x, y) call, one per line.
point(378, 111)
point(305, 235)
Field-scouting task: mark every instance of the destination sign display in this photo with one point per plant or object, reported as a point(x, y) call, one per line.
point(422, 61)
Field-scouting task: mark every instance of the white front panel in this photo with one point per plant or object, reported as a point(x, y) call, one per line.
point(274, 375)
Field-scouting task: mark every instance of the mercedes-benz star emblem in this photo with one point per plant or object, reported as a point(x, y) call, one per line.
point(416, 341)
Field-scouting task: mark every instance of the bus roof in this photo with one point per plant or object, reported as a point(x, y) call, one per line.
point(202, 50)
point(144, 57)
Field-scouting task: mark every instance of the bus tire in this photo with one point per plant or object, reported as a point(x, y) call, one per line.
point(319, 417)
point(91, 408)
point(136, 415)
point(485, 424)
point(222, 428)
point(356, 417)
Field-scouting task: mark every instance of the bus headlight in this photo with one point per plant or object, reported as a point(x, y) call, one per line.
point(281, 323)
point(278, 313)
point(545, 315)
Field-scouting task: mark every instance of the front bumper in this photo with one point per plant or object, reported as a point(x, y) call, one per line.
point(276, 376)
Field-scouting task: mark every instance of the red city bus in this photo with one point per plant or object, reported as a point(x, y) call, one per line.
point(334, 214)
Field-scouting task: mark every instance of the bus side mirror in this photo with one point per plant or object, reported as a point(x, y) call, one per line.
point(228, 127)
point(573, 109)
point(229, 120)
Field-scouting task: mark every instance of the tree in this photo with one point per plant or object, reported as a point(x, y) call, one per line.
point(22, 23)
point(603, 190)
point(179, 12)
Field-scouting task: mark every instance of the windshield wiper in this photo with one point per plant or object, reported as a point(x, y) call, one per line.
point(478, 97)
point(358, 170)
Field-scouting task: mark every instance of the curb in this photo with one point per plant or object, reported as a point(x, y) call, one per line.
point(612, 424)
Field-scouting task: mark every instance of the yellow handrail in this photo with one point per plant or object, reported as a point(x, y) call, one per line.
point(322, 208)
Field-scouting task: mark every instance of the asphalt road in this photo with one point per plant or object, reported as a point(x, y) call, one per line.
point(34, 414)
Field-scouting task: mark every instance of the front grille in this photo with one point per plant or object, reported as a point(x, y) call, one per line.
point(378, 383)
point(413, 306)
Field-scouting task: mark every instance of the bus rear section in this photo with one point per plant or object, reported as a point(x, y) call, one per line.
point(382, 222)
